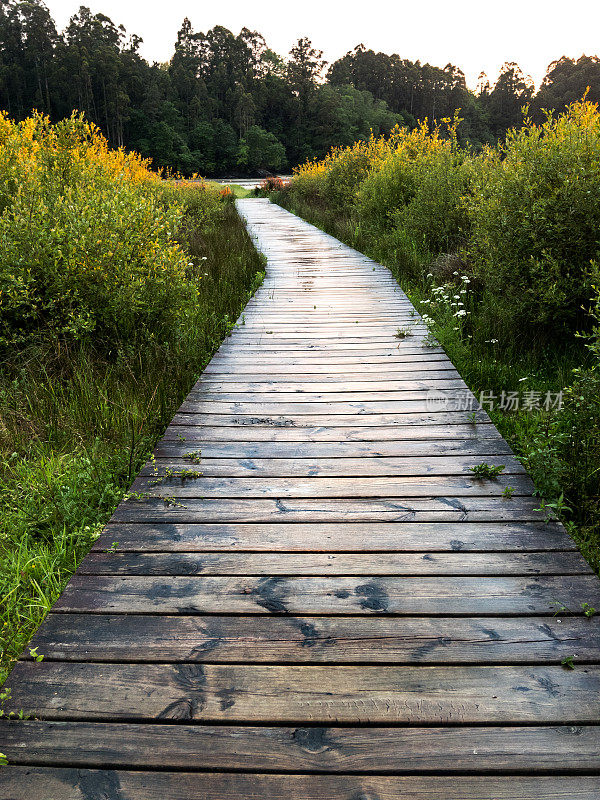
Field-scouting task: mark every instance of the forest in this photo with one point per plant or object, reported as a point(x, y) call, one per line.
point(227, 103)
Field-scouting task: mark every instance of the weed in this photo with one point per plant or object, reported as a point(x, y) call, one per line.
point(568, 662)
point(486, 471)
point(561, 608)
point(588, 610)
point(5, 697)
point(33, 652)
point(402, 333)
point(430, 341)
point(550, 510)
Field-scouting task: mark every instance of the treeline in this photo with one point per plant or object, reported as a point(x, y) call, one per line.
point(227, 103)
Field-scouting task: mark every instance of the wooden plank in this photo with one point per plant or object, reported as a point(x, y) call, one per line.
point(274, 448)
point(245, 381)
point(315, 420)
point(347, 408)
point(390, 364)
point(427, 435)
point(406, 348)
point(257, 394)
point(24, 783)
point(147, 507)
point(314, 749)
point(442, 564)
point(460, 596)
point(174, 472)
point(382, 537)
point(321, 369)
point(347, 337)
point(317, 639)
point(314, 488)
point(335, 329)
point(440, 378)
point(306, 694)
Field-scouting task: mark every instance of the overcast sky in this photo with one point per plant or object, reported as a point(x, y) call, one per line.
point(475, 35)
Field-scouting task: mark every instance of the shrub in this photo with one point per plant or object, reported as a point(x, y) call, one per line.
point(565, 457)
point(271, 184)
point(418, 188)
point(89, 244)
point(116, 288)
point(535, 218)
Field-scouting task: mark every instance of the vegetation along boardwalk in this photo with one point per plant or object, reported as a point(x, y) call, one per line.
point(309, 594)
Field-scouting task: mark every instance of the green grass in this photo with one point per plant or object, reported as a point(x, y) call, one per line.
point(239, 192)
point(76, 426)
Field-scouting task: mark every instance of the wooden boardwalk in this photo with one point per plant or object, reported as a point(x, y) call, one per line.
point(336, 608)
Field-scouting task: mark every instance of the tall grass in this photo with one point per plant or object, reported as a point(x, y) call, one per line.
point(81, 407)
point(499, 251)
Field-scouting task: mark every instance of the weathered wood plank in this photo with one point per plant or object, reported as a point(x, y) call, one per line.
point(332, 537)
point(426, 435)
point(314, 488)
point(346, 408)
point(289, 367)
point(312, 694)
point(150, 508)
point(324, 595)
point(438, 379)
point(175, 472)
point(415, 393)
point(23, 783)
point(312, 749)
point(315, 420)
point(174, 449)
point(318, 640)
point(442, 564)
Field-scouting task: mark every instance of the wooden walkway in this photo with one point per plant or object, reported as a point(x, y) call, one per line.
point(336, 608)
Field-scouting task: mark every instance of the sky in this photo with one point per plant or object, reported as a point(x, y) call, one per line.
point(474, 35)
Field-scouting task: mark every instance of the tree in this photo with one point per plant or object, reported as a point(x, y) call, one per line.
point(512, 91)
point(304, 69)
point(567, 81)
point(260, 151)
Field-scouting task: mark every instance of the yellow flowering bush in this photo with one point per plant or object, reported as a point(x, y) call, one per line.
point(336, 179)
point(535, 218)
point(88, 243)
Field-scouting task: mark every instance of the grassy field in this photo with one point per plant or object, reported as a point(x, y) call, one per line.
point(498, 252)
point(82, 408)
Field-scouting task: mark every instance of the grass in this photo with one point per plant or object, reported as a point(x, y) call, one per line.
point(76, 426)
point(238, 192)
point(495, 372)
